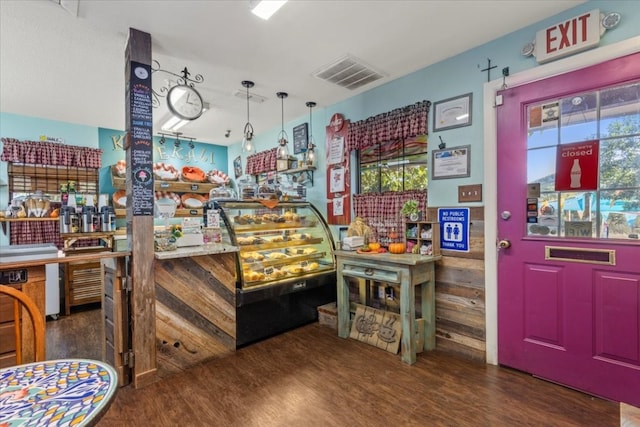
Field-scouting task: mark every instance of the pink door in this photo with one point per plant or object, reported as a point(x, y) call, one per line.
point(569, 207)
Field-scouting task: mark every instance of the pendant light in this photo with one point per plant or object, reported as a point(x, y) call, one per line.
point(311, 155)
point(247, 139)
point(283, 149)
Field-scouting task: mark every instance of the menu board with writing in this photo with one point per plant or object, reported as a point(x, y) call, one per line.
point(140, 137)
point(338, 177)
point(300, 138)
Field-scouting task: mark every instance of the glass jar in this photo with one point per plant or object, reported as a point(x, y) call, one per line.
point(38, 205)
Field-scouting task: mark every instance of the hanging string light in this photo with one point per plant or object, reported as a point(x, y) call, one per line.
point(311, 155)
point(247, 139)
point(283, 149)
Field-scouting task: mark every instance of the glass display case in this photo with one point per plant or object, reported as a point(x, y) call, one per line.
point(284, 244)
point(285, 264)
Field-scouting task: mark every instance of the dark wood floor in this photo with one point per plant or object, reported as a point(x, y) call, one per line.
point(310, 377)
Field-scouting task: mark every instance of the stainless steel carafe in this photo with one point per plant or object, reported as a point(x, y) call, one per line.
point(108, 218)
point(68, 220)
point(87, 219)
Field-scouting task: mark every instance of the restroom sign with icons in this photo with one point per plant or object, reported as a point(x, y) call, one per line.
point(454, 229)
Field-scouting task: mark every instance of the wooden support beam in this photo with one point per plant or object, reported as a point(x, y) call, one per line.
point(139, 188)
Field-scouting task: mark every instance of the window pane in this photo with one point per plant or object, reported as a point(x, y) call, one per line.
point(543, 125)
point(579, 118)
point(620, 110)
point(541, 167)
point(620, 163)
point(620, 214)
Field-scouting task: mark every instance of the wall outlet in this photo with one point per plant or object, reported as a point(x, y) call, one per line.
point(470, 193)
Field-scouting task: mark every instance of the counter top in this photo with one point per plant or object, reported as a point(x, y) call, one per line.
point(190, 251)
point(93, 256)
point(406, 259)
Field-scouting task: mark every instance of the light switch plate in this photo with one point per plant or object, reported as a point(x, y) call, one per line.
point(470, 193)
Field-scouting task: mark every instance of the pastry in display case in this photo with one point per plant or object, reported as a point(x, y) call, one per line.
point(282, 249)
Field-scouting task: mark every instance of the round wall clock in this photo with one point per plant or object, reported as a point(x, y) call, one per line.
point(185, 102)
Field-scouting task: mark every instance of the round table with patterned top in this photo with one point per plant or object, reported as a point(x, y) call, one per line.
point(65, 392)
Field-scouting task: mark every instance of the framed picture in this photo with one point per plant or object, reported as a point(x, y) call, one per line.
point(300, 138)
point(237, 167)
point(451, 162)
point(452, 113)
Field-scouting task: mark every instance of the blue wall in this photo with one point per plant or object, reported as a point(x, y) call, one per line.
point(451, 77)
point(454, 76)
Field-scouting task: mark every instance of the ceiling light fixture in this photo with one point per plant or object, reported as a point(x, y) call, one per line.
point(310, 154)
point(173, 123)
point(265, 8)
point(283, 149)
point(247, 144)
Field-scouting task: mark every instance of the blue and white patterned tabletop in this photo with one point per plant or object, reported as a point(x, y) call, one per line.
point(66, 392)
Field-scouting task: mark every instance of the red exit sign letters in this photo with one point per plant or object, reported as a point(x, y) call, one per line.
point(566, 38)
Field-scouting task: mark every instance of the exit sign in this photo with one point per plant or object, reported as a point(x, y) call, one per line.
point(574, 35)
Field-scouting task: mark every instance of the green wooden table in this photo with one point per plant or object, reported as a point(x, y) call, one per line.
point(405, 271)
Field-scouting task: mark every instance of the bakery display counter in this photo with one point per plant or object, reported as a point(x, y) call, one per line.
point(285, 264)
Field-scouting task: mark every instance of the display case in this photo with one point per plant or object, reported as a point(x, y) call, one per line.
point(286, 264)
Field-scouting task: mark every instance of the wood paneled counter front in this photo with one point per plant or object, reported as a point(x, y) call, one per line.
point(403, 270)
point(195, 306)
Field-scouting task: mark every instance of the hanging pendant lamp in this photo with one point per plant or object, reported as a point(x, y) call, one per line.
point(311, 155)
point(283, 149)
point(247, 139)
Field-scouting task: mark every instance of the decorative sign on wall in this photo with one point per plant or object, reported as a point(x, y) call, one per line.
point(140, 140)
point(300, 138)
point(338, 176)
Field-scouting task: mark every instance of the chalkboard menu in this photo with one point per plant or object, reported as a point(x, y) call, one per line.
point(300, 138)
point(141, 131)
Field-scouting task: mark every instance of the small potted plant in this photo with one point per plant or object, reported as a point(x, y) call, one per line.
point(410, 210)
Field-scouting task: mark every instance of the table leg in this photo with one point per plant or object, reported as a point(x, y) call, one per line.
point(408, 315)
point(428, 304)
point(342, 300)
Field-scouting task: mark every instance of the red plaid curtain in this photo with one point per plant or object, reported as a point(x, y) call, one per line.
point(382, 210)
point(400, 123)
point(50, 153)
point(264, 161)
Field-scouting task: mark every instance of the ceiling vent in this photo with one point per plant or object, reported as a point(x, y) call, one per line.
point(348, 72)
point(242, 93)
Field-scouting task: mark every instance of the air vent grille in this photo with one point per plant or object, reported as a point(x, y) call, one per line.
point(348, 72)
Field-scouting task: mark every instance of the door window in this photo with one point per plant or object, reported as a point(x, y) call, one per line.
point(608, 121)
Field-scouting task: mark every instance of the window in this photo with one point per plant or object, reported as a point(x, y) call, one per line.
point(398, 165)
point(609, 121)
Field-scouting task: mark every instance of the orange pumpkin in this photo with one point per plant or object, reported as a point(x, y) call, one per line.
point(397, 248)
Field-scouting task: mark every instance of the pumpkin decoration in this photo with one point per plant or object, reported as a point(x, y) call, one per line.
point(397, 248)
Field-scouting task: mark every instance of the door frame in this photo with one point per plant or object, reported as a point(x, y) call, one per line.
point(592, 57)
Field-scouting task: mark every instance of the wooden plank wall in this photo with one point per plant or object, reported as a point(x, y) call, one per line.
point(460, 293)
point(195, 310)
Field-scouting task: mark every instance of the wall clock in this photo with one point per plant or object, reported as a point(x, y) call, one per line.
point(185, 102)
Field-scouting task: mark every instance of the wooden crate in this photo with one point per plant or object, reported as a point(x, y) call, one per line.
point(328, 315)
point(83, 284)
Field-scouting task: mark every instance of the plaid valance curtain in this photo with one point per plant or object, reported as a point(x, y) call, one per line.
point(264, 161)
point(401, 123)
point(50, 154)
